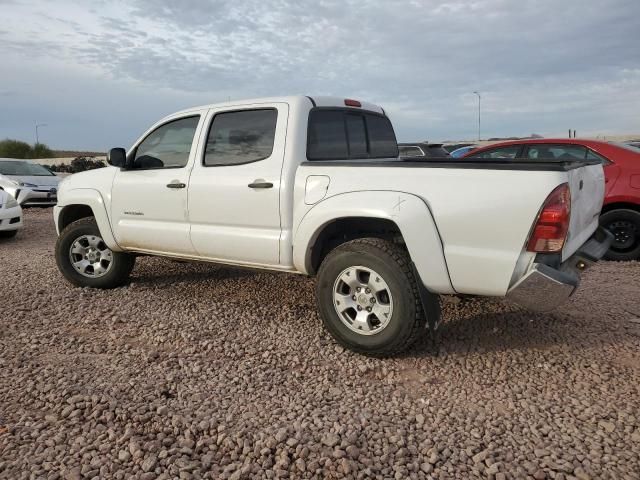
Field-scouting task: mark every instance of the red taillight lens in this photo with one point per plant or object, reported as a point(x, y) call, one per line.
point(552, 225)
point(352, 103)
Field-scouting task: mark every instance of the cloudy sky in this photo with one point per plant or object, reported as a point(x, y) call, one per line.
point(99, 72)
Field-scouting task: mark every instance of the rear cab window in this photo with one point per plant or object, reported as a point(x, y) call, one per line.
point(343, 134)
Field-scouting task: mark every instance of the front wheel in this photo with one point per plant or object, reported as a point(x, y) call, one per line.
point(625, 226)
point(368, 297)
point(86, 261)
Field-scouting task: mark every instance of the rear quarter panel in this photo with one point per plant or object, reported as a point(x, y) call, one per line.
point(483, 217)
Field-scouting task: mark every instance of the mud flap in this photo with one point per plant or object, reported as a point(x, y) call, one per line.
point(433, 318)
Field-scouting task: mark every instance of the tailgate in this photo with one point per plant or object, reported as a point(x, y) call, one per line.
point(587, 194)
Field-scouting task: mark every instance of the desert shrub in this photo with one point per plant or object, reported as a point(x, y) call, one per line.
point(79, 164)
point(40, 150)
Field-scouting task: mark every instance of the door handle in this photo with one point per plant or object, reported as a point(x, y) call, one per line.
point(176, 185)
point(260, 183)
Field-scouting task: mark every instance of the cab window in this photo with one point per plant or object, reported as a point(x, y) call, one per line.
point(240, 137)
point(168, 146)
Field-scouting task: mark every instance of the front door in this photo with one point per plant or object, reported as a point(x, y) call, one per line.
point(149, 198)
point(234, 190)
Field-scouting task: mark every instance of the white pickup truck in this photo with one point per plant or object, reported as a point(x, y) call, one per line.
point(314, 186)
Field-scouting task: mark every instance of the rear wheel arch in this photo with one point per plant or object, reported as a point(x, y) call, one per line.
point(401, 217)
point(345, 229)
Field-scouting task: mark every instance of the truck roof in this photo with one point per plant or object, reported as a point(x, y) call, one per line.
point(311, 101)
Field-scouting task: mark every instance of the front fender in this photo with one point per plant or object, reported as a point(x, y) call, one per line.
point(409, 212)
point(93, 199)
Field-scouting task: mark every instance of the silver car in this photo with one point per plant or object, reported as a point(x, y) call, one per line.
point(28, 182)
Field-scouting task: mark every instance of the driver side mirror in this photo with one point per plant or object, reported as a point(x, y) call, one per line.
point(117, 157)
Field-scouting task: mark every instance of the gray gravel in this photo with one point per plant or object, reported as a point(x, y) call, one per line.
point(198, 371)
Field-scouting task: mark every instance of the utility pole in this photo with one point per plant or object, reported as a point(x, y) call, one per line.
point(38, 125)
point(478, 94)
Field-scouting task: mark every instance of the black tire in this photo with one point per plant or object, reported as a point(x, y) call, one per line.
point(8, 233)
point(390, 261)
point(625, 226)
point(118, 273)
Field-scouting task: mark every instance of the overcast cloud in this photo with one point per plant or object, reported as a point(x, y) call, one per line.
point(98, 73)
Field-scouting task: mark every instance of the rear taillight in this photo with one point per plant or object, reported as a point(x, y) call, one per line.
point(551, 227)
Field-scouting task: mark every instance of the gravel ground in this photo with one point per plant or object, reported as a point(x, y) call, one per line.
point(199, 371)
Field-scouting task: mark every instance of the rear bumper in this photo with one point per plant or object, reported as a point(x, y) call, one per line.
point(545, 287)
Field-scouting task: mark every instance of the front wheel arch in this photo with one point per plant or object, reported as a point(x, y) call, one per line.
point(73, 212)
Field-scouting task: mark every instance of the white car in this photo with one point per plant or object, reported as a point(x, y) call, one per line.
point(28, 182)
point(10, 215)
point(314, 185)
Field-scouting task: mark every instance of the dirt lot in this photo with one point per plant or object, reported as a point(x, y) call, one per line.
point(198, 371)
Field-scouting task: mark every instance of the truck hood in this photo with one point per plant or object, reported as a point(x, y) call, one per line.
point(99, 179)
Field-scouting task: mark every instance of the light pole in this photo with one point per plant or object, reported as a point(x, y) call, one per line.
point(478, 94)
point(38, 125)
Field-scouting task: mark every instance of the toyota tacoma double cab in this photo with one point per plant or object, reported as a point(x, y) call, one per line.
point(314, 186)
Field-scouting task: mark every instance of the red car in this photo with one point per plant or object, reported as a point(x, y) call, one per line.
point(621, 210)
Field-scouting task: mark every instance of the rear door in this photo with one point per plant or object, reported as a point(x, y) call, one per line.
point(234, 190)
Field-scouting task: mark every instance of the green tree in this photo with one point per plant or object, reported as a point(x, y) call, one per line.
point(14, 149)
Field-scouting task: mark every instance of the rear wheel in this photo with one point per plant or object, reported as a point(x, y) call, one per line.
point(368, 297)
point(85, 260)
point(625, 226)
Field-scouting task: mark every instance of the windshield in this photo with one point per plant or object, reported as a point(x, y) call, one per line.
point(17, 167)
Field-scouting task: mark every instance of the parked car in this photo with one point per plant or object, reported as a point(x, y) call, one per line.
point(28, 182)
point(621, 162)
point(10, 215)
point(454, 146)
point(462, 151)
point(314, 186)
point(415, 151)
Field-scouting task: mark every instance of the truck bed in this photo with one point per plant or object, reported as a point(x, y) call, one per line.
point(483, 210)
